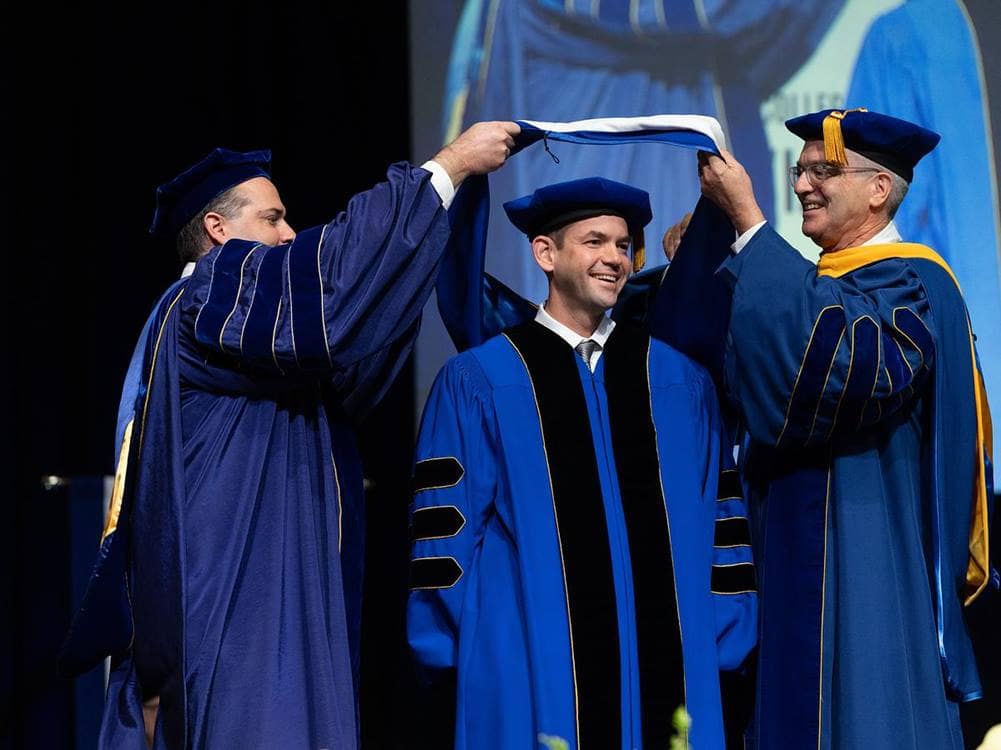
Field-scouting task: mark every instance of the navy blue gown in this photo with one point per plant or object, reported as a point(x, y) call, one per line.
point(230, 575)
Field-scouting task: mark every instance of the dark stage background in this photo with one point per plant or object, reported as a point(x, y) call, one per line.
point(103, 106)
point(106, 104)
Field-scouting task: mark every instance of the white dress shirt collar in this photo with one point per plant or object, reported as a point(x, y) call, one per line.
point(884, 236)
point(600, 335)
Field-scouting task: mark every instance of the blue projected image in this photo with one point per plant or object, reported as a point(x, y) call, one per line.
point(751, 65)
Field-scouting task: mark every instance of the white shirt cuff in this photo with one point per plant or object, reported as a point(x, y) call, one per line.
point(440, 181)
point(746, 237)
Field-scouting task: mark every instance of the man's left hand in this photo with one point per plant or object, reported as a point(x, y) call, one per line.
point(672, 237)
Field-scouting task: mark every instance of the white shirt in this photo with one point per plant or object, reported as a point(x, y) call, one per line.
point(600, 335)
point(441, 182)
point(884, 236)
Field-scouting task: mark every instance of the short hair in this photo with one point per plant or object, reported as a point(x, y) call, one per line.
point(898, 187)
point(558, 235)
point(191, 237)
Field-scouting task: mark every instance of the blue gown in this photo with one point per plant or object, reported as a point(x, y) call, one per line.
point(581, 555)
point(856, 387)
point(921, 62)
point(230, 576)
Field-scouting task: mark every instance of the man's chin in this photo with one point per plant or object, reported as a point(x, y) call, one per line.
point(810, 231)
point(601, 305)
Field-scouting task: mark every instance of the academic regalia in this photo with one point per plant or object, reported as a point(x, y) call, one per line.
point(474, 305)
point(230, 575)
point(866, 463)
point(546, 573)
point(866, 473)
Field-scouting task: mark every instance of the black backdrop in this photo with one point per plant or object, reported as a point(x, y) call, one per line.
point(101, 105)
point(104, 104)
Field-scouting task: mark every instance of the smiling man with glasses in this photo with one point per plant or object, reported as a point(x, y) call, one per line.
point(868, 438)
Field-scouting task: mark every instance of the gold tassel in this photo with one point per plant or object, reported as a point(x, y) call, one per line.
point(639, 251)
point(834, 142)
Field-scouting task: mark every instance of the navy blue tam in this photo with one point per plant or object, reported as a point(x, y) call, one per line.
point(555, 206)
point(181, 199)
point(896, 144)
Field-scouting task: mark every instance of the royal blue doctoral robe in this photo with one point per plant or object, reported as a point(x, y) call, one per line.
point(229, 581)
point(581, 554)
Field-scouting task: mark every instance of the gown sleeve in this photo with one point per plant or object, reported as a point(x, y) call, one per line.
point(733, 580)
point(454, 484)
point(809, 356)
point(343, 300)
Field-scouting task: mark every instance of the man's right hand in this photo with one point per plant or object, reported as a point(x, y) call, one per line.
point(726, 183)
point(482, 148)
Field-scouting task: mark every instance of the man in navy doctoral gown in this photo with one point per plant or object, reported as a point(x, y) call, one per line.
point(867, 464)
point(228, 584)
point(581, 557)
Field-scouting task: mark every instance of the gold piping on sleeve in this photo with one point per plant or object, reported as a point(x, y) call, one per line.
point(802, 364)
point(827, 379)
point(823, 605)
point(911, 341)
point(851, 367)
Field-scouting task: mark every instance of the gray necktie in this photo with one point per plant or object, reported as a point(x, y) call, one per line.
point(585, 349)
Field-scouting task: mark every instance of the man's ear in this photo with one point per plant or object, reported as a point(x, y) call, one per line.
point(882, 184)
point(215, 228)
point(544, 250)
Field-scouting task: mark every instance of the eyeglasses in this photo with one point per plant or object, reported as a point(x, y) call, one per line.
point(820, 171)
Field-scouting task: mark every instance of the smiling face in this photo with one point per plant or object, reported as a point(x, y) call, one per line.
point(844, 210)
point(588, 263)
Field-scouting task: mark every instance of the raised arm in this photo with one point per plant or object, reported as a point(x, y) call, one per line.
point(345, 292)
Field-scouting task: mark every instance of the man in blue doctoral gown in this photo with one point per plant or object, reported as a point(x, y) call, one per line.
point(581, 555)
point(867, 465)
point(227, 589)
